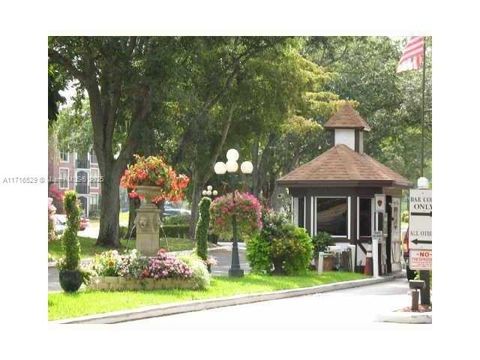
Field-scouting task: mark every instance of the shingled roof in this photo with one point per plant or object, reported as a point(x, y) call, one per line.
point(341, 165)
point(347, 118)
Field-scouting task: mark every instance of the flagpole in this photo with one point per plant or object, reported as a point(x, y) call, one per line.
point(423, 106)
point(424, 274)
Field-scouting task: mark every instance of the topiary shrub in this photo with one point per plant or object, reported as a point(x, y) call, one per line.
point(70, 242)
point(280, 248)
point(70, 274)
point(201, 231)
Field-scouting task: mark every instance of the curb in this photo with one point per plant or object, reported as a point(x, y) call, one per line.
point(406, 317)
point(198, 305)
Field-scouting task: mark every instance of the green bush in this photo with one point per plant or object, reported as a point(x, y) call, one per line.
point(70, 242)
point(176, 231)
point(280, 248)
point(321, 241)
point(259, 247)
point(259, 254)
point(177, 220)
point(201, 277)
point(292, 251)
point(405, 216)
point(201, 232)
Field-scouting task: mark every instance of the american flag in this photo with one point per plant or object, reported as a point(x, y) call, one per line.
point(412, 57)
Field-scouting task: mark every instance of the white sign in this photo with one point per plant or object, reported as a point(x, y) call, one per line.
point(380, 201)
point(378, 235)
point(420, 228)
point(376, 239)
point(420, 259)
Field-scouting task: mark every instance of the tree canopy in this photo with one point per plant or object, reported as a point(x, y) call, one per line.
point(191, 98)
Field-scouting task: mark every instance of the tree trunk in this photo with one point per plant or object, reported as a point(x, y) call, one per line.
point(196, 195)
point(255, 182)
point(110, 210)
point(133, 205)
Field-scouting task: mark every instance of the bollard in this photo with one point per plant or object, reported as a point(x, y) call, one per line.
point(320, 262)
point(368, 264)
point(415, 300)
point(416, 285)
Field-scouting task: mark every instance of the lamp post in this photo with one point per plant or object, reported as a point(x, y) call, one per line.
point(231, 166)
point(209, 191)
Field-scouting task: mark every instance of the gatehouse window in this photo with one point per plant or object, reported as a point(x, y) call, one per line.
point(301, 212)
point(365, 217)
point(332, 216)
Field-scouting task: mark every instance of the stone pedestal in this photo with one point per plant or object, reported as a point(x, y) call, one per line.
point(147, 223)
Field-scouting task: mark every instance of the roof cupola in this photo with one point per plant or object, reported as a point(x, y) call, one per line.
point(348, 127)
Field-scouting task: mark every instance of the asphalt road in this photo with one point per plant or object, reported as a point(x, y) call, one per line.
point(352, 308)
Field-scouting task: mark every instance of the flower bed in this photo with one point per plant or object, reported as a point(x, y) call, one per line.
point(131, 271)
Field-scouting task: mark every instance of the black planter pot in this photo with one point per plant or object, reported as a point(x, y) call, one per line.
point(70, 280)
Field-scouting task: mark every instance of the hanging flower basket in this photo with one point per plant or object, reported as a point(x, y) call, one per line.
point(247, 210)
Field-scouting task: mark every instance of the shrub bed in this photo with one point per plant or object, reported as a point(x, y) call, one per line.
point(132, 271)
point(280, 248)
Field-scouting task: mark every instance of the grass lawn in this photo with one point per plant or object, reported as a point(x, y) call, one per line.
point(89, 249)
point(62, 305)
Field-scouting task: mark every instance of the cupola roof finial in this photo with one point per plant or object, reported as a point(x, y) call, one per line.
point(346, 118)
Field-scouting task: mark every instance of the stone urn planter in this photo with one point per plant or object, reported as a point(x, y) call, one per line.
point(70, 280)
point(328, 262)
point(149, 193)
point(147, 221)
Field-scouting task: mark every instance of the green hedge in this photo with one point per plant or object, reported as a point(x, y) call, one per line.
point(201, 232)
point(176, 231)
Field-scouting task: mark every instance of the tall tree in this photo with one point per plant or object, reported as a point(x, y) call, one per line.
point(365, 69)
point(209, 100)
point(123, 78)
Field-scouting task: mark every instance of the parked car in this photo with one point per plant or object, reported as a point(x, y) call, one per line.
point(170, 211)
point(61, 223)
point(83, 223)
